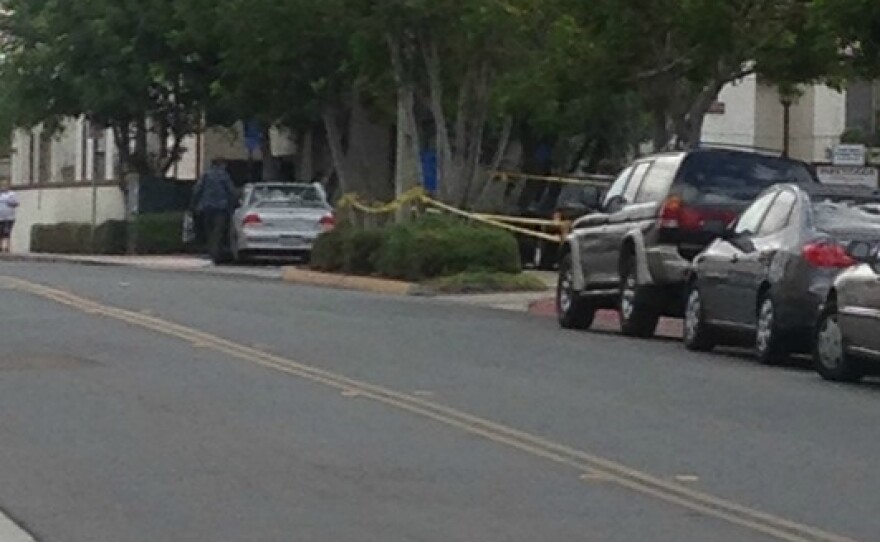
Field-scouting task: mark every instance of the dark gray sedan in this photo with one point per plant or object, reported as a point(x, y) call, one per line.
point(766, 280)
point(848, 334)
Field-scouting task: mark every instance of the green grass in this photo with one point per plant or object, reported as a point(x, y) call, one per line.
point(481, 282)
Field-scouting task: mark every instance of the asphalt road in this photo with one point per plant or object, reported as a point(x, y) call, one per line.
point(144, 405)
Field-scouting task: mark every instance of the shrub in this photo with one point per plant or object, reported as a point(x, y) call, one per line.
point(432, 246)
point(159, 233)
point(328, 253)
point(156, 234)
point(360, 249)
point(439, 247)
point(76, 238)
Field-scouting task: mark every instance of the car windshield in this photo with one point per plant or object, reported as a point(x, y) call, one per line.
point(832, 214)
point(578, 196)
point(282, 197)
point(739, 176)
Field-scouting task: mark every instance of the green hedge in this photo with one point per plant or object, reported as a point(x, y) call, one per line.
point(159, 233)
point(72, 238)
point(155, 234)
point(427, 248)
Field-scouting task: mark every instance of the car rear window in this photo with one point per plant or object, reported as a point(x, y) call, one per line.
point(724, 176)
point(284, 197)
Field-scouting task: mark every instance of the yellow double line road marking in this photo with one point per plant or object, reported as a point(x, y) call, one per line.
point(638, 481)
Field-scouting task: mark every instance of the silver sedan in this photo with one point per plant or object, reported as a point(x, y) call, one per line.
point(279, 219)
point(848, 333)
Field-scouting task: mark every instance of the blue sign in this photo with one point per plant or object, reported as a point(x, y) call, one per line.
point(429, 171)
point(253, 136)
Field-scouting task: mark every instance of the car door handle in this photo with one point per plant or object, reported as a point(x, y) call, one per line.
point(734, 259)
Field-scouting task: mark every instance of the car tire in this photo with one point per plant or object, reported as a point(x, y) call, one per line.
point(573, 310)
point(638, 307)
point(238, 256)
point(830, 357)
point(770, 347)
point(698, 334)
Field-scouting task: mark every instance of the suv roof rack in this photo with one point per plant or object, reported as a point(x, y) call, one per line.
point(736, 147)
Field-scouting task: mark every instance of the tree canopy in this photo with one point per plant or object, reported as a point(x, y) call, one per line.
point(462, 78)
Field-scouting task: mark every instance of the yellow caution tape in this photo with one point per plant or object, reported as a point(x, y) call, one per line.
point(418, 195)
point(498, 224)
point(522, 220)
point(353, 201)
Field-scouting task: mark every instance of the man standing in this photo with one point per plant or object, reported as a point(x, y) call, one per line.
point(214, 198)
point(8, 205)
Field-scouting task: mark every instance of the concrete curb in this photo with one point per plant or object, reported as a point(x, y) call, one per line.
point(296, 275)
point(57, 258)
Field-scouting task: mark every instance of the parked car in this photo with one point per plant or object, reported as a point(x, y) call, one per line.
point(847, 340)
point(566, 202)
point(635, 254)
point(766, 280)
point(279, 219)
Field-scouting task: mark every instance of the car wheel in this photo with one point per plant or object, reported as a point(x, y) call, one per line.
point(698, 335)
point(829, 355)
point(638, 306)
point(237, 255)
point(573, 310)
point(769, 344)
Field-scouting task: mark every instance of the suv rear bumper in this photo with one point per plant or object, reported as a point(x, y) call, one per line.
point(666, 266)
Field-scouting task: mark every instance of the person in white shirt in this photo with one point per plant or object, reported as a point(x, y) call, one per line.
point(8, 205)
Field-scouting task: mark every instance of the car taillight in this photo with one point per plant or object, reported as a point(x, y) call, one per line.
point(252, 220)
point(670, 213)
point(828, 255)
point(676, 215)
point(327, 222)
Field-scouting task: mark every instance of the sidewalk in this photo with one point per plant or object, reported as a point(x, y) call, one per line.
point(182, 263)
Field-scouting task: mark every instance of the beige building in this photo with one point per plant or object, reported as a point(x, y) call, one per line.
point(73, 175)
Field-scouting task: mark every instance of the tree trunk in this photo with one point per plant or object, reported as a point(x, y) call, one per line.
point(443, 144)
point(271, 168)
point(408, 167)
point(489, 185)
point(337, 153)
point(661, 129)
point(305, 160)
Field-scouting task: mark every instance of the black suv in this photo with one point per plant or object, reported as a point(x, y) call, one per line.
point(635, 253)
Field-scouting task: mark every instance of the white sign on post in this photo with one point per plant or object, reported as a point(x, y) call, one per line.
point(849, 155)
point(848, 175)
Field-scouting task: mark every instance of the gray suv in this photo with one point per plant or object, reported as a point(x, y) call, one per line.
point(635, 254)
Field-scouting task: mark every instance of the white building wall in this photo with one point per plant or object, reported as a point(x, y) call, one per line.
point(754, 117)
point(21, 157)
point(56, 205)
point(736, 125)
point(829, 121)
point(803, 126)
point(769, 119)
